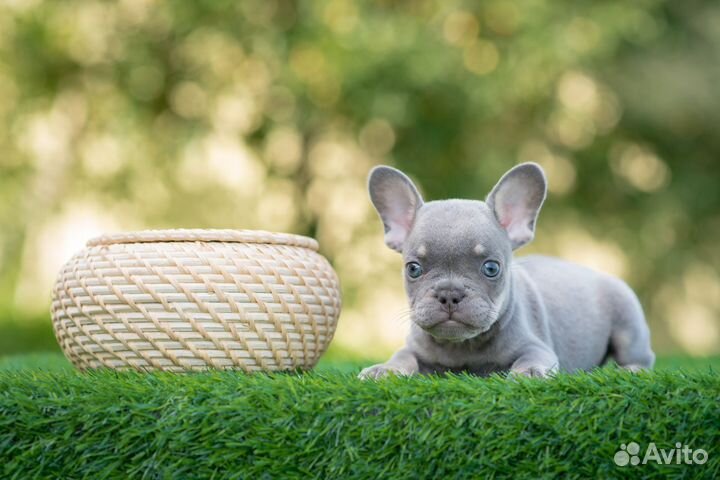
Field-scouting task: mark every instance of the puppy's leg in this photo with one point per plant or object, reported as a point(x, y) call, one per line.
point(535, 361)
point(630, 344)
point(403, 362)
point(630, 335)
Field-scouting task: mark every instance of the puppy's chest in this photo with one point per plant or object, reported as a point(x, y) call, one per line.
point(459, 358)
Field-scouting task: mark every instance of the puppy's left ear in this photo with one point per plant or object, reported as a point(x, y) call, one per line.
point(397, 201)
point(516, 201)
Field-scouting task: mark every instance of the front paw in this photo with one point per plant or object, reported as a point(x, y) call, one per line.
point(532, 371)
point(381, 370)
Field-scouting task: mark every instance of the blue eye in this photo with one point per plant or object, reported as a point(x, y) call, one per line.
point(491, 268)
point(414, 269)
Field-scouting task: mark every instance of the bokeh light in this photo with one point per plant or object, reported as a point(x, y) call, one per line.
point(268, 114)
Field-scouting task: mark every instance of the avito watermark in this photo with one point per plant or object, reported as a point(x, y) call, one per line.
point(681, 454)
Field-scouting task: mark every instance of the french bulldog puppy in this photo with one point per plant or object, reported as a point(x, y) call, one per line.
point(476, 308)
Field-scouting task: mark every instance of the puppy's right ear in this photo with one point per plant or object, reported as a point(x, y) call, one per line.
point(516, 201)
point(396, 200)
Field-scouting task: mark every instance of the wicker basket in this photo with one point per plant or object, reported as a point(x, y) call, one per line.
point(196, 299)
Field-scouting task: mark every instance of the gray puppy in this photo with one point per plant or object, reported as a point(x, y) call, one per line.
point(475, 308)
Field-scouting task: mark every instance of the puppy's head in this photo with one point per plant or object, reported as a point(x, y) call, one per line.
point(457, 253)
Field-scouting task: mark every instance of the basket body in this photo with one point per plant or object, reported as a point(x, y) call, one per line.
point(196, 299)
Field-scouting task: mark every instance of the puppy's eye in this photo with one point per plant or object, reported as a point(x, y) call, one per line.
point(414, 269)
point(491, 268)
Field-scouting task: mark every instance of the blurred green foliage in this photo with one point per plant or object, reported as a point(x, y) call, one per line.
point(269, 113)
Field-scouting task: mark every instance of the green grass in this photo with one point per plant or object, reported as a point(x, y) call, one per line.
point(57, 423)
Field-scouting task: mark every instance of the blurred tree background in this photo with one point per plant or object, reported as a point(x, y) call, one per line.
point(268, 114)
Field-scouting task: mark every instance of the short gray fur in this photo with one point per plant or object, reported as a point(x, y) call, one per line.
point(537, 316)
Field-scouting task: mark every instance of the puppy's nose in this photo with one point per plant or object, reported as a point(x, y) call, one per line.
point(449, 294)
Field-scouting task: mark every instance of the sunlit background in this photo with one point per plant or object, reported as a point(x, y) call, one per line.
point(268, 114)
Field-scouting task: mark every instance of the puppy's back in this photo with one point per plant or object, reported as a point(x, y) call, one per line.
point(580, 304)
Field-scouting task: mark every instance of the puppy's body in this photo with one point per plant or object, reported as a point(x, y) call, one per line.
point(576, 320)
point(532, 315)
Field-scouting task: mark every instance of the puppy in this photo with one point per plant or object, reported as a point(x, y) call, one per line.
point(476, 308)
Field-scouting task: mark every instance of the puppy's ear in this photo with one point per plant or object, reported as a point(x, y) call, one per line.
point(516, 201)
point(396, 200)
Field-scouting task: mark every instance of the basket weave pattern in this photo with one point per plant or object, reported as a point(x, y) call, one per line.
point(196, 299)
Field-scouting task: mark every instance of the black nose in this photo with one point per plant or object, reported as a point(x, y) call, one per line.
point(449, 294)
point(450, 297)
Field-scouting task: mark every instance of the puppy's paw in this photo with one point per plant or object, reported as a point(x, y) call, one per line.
point(634, 368)
point(532, 371)
point(379, 371)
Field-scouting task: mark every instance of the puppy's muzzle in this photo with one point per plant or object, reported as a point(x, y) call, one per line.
point(449, 294)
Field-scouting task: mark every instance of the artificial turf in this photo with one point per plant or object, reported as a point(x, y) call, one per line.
point(57, 423)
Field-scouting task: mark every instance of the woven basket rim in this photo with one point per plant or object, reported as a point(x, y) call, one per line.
point(205, 235)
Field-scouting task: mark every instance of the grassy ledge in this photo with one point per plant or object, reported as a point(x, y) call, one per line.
point(57, 423)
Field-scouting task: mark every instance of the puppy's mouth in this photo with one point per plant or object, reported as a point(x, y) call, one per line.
point(457, 323)
point(453, 328)
point(451, 322)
